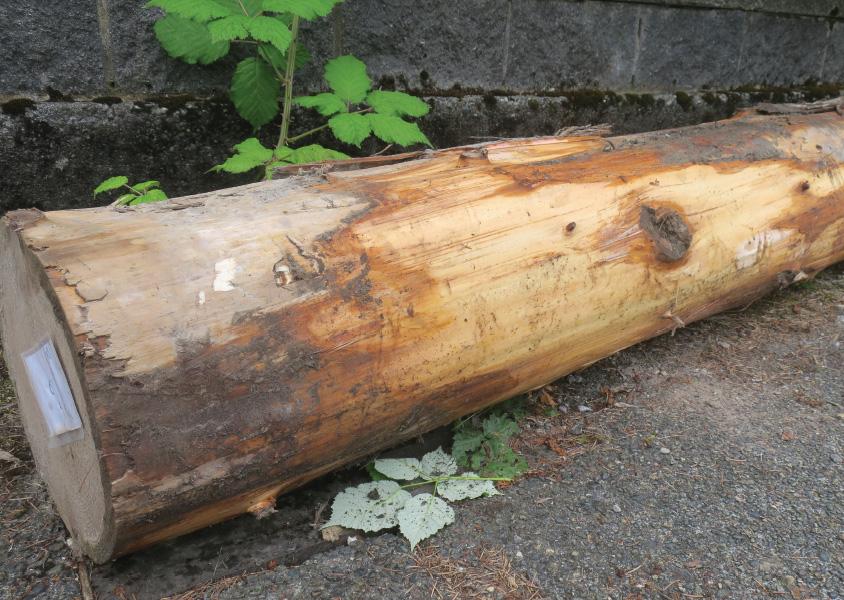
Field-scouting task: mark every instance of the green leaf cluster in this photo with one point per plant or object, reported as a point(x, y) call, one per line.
point(384, 503)
point(482, 443)
point(202, 31)
point(376, 112)
point(138, 193)
point(251, 153)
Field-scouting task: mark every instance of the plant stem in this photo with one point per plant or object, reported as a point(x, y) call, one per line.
point(437, 480)
point(288, 83)
point(296, 138)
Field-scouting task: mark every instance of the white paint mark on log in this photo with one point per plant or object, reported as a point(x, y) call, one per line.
point(225, 270)
point(751, 251)
point(200, 298)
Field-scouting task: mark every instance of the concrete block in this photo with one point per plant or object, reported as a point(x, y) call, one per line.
point(570, 45)
point(688, 49)
point(435, 45)
point(50, 44)
point(142, 67)
point(782, 51)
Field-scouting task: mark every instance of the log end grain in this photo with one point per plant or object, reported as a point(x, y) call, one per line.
point(30, 313)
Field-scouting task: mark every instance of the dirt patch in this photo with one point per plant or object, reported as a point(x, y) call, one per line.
point(488, 572)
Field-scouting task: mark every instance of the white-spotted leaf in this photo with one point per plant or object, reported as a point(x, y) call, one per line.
point(369, 507)
point(422, 516)
point(406, 469)
point(438, 463)
point(463, 489)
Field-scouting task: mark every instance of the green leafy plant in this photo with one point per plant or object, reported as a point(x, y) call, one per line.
point(203, 31)
point(138, 193)
point(482, 441)
point(385, 503)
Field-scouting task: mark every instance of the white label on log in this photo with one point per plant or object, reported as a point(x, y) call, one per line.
point(53, 395)
point(224, 274)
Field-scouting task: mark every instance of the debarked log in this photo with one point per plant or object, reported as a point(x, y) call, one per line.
point(224, 348)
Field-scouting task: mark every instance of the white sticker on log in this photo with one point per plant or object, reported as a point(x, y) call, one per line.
point(224, 274)
point(52, 392)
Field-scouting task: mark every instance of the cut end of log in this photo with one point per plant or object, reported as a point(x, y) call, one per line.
point(70, 465)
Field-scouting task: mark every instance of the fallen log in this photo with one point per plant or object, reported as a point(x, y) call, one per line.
point(223, 348)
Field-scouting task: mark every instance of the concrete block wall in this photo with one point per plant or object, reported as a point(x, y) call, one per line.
point(86, 91)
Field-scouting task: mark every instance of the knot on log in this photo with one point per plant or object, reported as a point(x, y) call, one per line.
point(667, 230)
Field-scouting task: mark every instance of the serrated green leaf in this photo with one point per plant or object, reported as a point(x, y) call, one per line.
point(188, 40)
point(422, 516)
point(463, 489)
point(230, 28)
point(406, 469)
point(124, 199)
point(438, 463)
point(155, 195)
point(505, 464)
point(350, 128)
point(395, 130)
point(279, 59)
point(305, 9)
point(198, 10)
point(315, 153)
point(373, 473)
point(370, 506)
point(466, 442)
point(253, 147)
point(112, 183)
point(267, 29)
point(284, 153)
point(145, 185)
point(396, 103)
point(500, 425)
point(237, 7)
point(254, 91)
point(326, 103)
point(347, 77)
point(249, 154)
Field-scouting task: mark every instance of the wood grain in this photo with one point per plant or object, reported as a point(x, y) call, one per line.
point(234, 345)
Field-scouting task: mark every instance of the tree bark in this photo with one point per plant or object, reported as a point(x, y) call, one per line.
point(227, 347)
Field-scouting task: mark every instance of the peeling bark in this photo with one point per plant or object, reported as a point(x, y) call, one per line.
point(227, 347)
